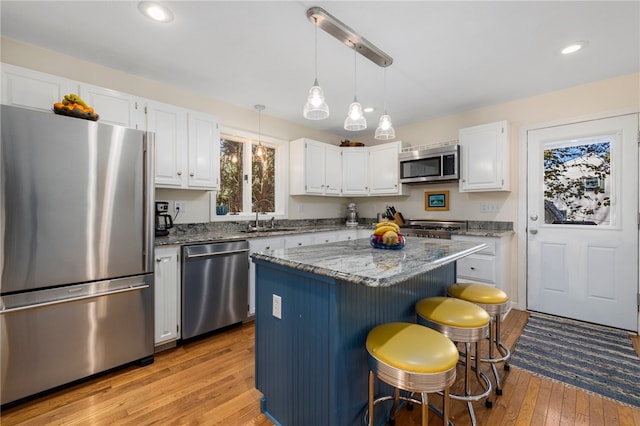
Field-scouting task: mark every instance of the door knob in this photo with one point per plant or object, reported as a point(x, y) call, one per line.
point(533, 231)
point(534, 217)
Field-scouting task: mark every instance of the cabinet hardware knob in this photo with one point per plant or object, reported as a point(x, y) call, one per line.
point(191, 174)
point(473, 269)
point(179, 173)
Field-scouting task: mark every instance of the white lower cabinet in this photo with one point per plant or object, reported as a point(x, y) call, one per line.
point(488, 266)
point(167, 294)
point(259, 245)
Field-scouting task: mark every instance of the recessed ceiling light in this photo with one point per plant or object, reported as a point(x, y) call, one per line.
point(573, 47)
point(155, 11)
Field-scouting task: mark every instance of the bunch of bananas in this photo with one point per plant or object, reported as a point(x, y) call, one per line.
point(73, 104)
point(388, 233)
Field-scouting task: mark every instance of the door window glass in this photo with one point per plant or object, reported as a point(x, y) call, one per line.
point(578, 181)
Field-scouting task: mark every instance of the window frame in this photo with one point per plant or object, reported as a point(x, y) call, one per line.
point(281, 177)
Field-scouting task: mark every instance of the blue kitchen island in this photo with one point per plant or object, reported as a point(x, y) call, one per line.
point(314, 308)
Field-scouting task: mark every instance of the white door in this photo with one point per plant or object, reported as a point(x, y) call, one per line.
point(582, 250)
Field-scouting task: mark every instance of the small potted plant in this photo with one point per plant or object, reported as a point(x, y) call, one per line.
point(222, 204)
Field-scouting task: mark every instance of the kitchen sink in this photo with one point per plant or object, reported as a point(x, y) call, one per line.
point(254, 230)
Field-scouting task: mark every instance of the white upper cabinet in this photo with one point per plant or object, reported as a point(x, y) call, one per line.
point(204, 151)
point(318, 168)
point(355, 171)
point(332, 170)
point(484, 152)
point(114, 107)
point(32, 89)
point(315, 168)
point(384, 169)
point(169, 124)
point(187, 147)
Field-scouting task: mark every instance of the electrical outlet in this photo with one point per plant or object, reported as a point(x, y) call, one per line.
point(489, 207)
point(277, 306)
point(179, 206)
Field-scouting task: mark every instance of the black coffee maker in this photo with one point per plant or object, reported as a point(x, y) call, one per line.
point(164, 222)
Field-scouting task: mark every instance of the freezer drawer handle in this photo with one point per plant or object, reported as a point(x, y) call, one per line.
point(217, 253)
point(73, 299)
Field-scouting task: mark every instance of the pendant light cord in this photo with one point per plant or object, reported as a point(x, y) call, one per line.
point(384, 89)
point(355, 88)
point(316, 42)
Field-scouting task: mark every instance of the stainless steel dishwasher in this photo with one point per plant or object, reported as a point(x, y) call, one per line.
point(215, 282)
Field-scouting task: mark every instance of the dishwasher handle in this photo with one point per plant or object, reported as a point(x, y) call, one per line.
point(216, 253)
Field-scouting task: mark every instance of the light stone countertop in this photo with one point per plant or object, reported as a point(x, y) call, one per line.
point(356, 262)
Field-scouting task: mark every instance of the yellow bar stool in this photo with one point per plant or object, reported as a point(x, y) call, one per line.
point(412, 358)
point(494, 301)
point(462, 322)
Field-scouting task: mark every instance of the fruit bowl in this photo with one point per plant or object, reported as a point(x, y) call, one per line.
point(376, 242)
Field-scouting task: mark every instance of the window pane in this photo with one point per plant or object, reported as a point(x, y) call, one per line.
point(577, 182)
point(230, 193)
point(263, 191)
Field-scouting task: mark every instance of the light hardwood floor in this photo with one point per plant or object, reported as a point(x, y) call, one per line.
point(210, 381)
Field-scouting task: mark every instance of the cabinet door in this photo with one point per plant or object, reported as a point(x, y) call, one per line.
point(355, 171)
point(204, 151)
point(32, 89)
point(259, 245)
point(314, 161)
point(167, 294)
point(169, 125)
point(484, 152)
point(333, 170)
point(383, 169)
point(299, 241)
point(114, 107)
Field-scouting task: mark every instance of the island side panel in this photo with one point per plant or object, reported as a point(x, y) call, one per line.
point(311, 365)
point(355, 310)
point(292, 368)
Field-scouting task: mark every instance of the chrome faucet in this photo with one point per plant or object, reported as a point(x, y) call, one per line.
point(257, 207)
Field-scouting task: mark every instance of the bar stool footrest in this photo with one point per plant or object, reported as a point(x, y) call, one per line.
point(365, 415)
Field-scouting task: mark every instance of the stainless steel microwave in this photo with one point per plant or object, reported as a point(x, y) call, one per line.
point(430, 165)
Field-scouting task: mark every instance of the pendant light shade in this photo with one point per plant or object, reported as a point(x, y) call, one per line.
point(385, 130)
point(355, 116)
point(316, 108)
point(259, 149)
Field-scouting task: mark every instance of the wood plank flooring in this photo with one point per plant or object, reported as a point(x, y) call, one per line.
point(210, 381)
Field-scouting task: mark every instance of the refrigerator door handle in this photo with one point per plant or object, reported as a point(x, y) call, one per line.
point(73, 299)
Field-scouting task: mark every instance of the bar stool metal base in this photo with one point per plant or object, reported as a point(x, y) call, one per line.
point(494, 301)
point(463, 322)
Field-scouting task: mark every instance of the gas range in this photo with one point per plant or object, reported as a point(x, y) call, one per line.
point(428, 228)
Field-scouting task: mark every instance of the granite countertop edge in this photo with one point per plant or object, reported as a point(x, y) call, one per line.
point(370, 267)
point(222, 236)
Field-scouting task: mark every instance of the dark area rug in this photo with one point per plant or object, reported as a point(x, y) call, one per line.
point(594, 358)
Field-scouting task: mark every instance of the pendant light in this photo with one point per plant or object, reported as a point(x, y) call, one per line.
point(316, 108)
point(385, 130)
point(259, 149)
point(355, 117)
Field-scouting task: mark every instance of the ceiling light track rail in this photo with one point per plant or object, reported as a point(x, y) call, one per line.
point(349, 37)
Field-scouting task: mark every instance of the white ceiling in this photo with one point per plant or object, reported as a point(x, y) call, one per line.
point(449, 56)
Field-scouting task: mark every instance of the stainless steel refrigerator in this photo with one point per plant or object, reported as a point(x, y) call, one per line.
point(76, 233)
